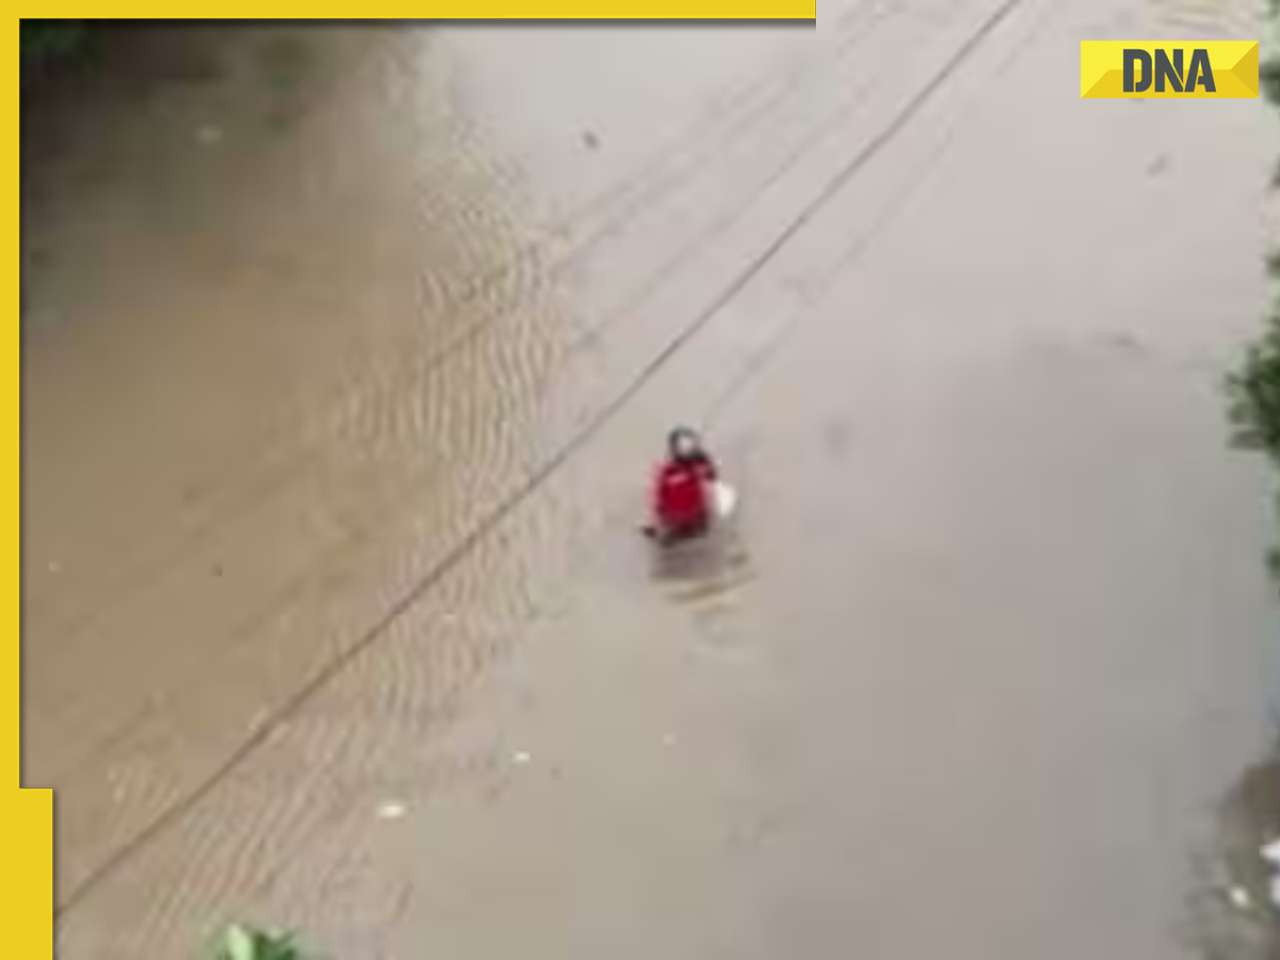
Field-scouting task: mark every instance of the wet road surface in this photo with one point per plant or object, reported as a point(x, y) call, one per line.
point(345, 355)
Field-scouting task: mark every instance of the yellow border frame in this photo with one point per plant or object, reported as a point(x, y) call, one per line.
point(26, 816)
point(728, 10)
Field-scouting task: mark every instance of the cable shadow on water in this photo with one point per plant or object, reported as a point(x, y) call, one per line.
point(702, 568)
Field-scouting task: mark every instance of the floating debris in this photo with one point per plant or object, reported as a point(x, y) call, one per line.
point(391, 810)
point(1271, 853)
point(244, 943)
point(1240, 898)
point(521, 757)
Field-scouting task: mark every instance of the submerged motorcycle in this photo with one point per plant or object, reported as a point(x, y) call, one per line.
point(688, 496)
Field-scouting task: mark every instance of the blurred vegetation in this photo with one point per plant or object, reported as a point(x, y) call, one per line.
point(1269, 75)
point(1254, 394)
point(245, 943)
point(1254, 388)
point(49, 44)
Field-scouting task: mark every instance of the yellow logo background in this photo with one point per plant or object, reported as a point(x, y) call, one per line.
point(1234, 63)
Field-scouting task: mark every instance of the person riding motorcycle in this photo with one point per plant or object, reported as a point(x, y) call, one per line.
point(681, 492)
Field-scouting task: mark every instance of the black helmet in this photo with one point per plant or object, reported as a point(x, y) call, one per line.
point(684, 443)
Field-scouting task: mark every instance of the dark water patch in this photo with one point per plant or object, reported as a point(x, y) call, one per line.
point(837, 437)
point(283, 59)
point(1232, 916)
point(1250, 818)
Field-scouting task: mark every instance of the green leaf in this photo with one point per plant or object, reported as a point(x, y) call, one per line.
point(239, 942)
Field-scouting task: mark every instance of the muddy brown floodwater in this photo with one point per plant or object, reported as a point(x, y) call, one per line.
point(346, 352)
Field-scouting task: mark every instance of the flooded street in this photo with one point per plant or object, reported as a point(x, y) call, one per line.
point(346, 352)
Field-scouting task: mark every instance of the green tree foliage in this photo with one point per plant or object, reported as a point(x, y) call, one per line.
point(245, 943)
point(1269, 75)
point(46, 43)
point(1253, 390)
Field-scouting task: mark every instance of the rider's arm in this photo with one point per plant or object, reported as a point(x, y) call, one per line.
point(707, 468)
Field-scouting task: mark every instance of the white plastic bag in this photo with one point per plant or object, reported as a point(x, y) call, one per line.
point(725, 499)
point(1271, 853)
